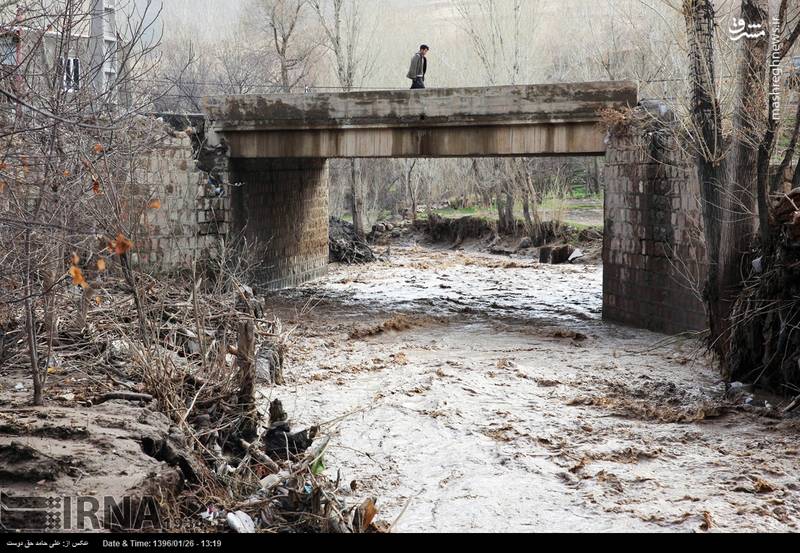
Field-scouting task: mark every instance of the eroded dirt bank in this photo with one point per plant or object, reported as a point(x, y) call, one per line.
point(485, 394)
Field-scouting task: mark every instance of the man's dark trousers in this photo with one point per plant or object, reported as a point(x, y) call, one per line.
point(419, 82)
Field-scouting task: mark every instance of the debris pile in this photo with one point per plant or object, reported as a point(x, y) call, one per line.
point(765, 348)
point(346, 246)
point(200, 355)
point(384, 231)
point(456, 231)
point(560, 254)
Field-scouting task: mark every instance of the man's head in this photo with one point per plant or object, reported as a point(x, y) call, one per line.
point(424, 49)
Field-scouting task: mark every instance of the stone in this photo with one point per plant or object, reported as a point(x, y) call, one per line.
point(577, 254)
point(562, 254)
point(241, 523)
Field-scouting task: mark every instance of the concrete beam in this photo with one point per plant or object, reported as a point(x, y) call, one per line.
point(557, 119)
point(487, 141)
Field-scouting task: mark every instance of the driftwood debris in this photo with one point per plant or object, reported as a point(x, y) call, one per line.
point(765, 349)
point(346, 246)
point(279, 441)
point(126, 396)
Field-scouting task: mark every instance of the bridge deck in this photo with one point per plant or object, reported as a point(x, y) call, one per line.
point(556, 119)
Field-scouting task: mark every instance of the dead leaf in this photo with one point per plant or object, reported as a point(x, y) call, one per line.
point(67, 173)
point(98, 300)
point(3, 166)
point(75, 259)
point(708, 521)
point(98, 149)
point(2, 186)
point(77, 277)
point(101, 265)
point(154, 204)
point(366, 513)
point(96, 187)
point(121, 245)
point(762, 486)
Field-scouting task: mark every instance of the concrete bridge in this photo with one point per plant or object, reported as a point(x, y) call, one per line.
point(543, 120)
point(279, 147)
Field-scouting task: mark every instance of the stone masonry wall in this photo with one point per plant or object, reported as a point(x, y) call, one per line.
point(281, 206)
point(189, 211)
point(653, 254)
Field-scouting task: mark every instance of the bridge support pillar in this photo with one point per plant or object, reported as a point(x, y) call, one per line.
point(282, 209)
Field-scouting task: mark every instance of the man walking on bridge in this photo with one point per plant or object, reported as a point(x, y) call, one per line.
point(419, 66)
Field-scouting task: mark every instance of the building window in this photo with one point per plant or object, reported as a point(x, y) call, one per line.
point(8, 50)
point(71, 72)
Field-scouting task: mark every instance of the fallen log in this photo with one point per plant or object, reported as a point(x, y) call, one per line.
point(259, 456)
point(126, 396)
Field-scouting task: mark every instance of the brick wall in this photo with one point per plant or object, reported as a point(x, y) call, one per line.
point(281, 206)
point(653, 252)
point(192, 213)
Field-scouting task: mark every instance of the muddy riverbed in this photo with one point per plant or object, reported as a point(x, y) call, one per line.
point(477, 393)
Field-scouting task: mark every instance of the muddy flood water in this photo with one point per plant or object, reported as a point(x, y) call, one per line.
point(478, 393)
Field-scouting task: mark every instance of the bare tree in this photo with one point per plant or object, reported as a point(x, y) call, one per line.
point(354, 55)
point(284, 23)
point(73, 103)
point(734, 188)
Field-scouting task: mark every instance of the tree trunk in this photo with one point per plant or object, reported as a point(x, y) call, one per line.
point(501, 209)
point(786, 164)
point(30, 325)
point(740, 198)
point(247, 380)
point(357, 201)
point(412, 196)
point(526, 212)
point(510, 221)
point(707, 133)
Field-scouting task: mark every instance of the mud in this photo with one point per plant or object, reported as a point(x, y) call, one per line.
point(476, 393)
point(98, 452)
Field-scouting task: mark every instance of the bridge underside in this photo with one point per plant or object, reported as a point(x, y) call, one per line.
point(562, 139)
point(279, 146)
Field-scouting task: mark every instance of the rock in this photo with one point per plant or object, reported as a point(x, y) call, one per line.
point(577, 254)
point(241, 523)
point(269, 365)
point(545, 254)
point(389, 227)
point(119, 348)
point(525, 243)
point(281, 443)
point(269, 482)
point(739, 388)
point(193, 347)
point(562, 254)
point(759, 403)
point(379, 229)
point(499, 250)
